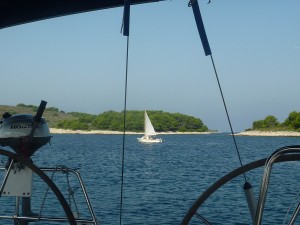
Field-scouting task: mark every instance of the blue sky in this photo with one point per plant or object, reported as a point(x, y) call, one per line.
point(77, 63)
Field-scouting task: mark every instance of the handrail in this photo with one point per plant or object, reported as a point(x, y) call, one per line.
point(93, 219)
point(65, 169)
point(46, 179)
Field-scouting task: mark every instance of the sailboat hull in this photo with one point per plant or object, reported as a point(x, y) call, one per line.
point(145, 139)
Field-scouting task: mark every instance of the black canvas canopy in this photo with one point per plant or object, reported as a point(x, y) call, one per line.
point(15, 12)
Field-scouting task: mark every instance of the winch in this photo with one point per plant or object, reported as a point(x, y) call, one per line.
point(24, 133)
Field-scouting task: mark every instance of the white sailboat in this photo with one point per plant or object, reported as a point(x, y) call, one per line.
point(150, 134)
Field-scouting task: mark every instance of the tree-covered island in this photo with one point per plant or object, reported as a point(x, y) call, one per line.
point(270, 123)
point(113, 121)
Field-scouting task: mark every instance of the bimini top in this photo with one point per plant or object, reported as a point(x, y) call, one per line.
point(16, 12)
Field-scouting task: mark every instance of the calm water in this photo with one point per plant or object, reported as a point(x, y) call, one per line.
point(162, 181)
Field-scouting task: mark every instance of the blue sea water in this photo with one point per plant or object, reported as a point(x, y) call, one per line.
point(161, 181)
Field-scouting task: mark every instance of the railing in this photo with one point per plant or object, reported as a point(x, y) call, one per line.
point(39, 217)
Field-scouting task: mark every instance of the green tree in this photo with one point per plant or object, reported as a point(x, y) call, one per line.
point(268, 122)
point(271, 121)
point(109, 120)
point(293, 120)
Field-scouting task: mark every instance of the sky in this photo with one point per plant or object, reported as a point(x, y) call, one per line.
point(78, 63)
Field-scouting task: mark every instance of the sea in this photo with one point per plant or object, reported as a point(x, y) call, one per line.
point(161, 181)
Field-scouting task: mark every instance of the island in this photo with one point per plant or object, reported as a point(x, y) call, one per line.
point(112, 122)
point(270, 126)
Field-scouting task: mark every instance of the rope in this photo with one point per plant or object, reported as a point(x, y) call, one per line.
point(227, 114)
point(199, 22)
point(44, 199)
point(125, 28)
point(202, 219)
point(71, 192)
point(124, 131)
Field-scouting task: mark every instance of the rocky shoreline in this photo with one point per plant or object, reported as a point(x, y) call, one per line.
point(63, 131)
point(269, 133)
point(245, 133)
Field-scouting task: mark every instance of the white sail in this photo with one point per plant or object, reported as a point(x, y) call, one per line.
point(150, 135)
point(149, 129)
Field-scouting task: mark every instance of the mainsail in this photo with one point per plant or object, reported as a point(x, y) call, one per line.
point(149, 129)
